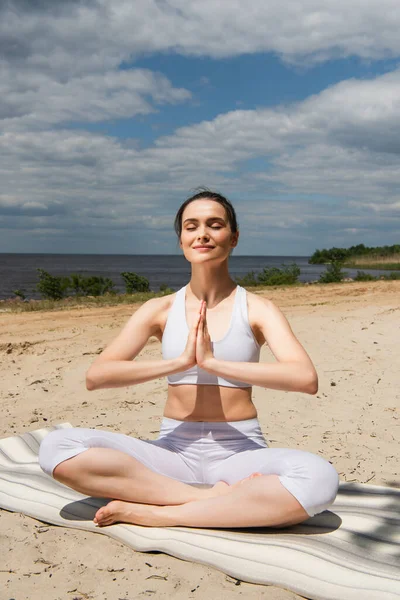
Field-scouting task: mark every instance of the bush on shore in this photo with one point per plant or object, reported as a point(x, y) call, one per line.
point(392, 276)
point(333, 273)
point(135, 283)
point(248, 280)
point(270, 276)
point(362, 276)
point(93, 285)
point(52, 287)
point(20, 294)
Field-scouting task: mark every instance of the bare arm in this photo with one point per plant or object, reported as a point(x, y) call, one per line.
point(115, 366)
point(293, 371)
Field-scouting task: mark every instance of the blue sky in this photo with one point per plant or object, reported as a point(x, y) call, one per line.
point(113, 111)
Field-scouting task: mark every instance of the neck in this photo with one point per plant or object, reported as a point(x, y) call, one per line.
point(211, 283)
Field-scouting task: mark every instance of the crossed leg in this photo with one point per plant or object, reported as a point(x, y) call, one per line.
point(110, 473)
point(268, 500)
point(260, 501)
point(145, 497)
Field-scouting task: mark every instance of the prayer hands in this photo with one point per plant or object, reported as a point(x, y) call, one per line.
point(203, 340)
point(198, 347)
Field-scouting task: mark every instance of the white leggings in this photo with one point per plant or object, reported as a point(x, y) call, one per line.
point(204, 453)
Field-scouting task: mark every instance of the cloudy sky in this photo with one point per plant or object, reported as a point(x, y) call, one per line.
point(113, 111)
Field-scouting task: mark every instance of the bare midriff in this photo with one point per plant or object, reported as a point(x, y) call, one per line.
point(209, 403)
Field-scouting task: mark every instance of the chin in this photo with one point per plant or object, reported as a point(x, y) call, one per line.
point(198, 259)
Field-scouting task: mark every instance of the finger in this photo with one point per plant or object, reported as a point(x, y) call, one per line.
point(196, 322)
point(200, 310)
point(205, 318)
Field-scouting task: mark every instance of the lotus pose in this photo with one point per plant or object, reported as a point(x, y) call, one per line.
point(211, 332)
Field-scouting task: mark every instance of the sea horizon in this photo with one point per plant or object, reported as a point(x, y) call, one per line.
point(18, 270)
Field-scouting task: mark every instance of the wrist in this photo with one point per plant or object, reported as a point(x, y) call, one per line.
point(179, 364)
point(209, 364)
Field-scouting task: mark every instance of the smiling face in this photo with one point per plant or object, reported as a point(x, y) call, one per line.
point(206, 232)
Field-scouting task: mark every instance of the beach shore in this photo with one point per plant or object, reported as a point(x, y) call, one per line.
point(352, 333)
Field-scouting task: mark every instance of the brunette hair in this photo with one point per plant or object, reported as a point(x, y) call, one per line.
point(209, 195)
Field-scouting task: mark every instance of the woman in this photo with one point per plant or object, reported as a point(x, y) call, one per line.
point(210, 433)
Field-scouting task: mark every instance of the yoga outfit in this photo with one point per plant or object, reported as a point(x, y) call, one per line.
point(201, 452)
point(237, 345)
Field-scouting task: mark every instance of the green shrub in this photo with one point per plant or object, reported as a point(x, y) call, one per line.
point(19, 294)
point(248, 280)
point(164, 288)
point(329, 255)
point(333, 273)
point(288, 275)
point(362, 276)
point(51, 286)
point(93, 285)
point(392, 275)
point(349, 255)
point(135, 283)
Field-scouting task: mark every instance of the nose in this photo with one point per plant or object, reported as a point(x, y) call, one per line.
point(202, 234)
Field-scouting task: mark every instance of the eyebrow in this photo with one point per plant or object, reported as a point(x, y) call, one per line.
point(209, 219)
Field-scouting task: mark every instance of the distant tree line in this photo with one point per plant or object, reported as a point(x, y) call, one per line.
point(346, 254)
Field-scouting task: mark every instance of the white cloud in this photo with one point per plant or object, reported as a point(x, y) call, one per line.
point(60, 64)
point(79, 37)
point(31, 100)
point(338, 144)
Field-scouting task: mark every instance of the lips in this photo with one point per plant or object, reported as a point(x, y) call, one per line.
point(203, 247)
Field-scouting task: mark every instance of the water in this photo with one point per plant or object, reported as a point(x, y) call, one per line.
point(18, 271)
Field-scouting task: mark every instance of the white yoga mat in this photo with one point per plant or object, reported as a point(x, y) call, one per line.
point(351, 552)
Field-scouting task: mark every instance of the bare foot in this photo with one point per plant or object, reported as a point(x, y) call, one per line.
point(119, 511)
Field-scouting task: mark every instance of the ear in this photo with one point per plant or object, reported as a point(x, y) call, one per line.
point(235, 239)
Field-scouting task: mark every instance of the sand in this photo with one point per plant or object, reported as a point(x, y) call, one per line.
point(351, 332)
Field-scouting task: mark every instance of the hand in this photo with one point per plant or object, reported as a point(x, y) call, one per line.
point(203, 342)
point(189, 355)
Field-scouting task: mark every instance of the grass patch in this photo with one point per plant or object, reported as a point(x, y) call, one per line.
point(17, 306)
point(384, 266)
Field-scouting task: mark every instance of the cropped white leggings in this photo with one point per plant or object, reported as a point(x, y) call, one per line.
point(204, 453)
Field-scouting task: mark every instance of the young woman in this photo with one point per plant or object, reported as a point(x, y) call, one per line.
point(211, 332)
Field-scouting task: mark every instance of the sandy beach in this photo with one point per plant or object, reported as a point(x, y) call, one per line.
point(352, 333)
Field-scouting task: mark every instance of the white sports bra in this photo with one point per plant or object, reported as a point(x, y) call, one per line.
point(237, 345)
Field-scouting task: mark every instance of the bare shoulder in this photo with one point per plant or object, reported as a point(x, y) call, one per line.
point(270, 321)
point(160, 303)
point(263, 313)
point(145, 322)
point(260, 306)
point(156, 311)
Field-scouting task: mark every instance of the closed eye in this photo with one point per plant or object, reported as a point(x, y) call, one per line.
point(212, 227)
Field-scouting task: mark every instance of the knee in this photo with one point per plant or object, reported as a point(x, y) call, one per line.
point(313, 481)
point(49, 449)
point(324, 486)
